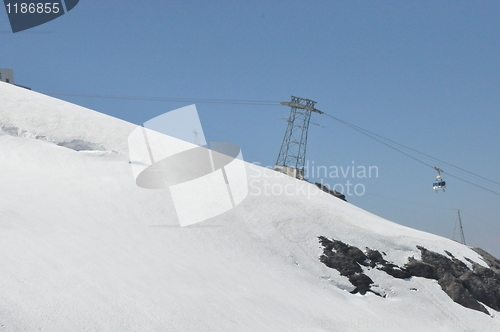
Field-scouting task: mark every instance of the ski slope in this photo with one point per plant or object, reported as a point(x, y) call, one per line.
point(82, 248)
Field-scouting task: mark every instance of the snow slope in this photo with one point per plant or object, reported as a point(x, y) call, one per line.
point(82, 248)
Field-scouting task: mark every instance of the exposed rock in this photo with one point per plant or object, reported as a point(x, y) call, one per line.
point(346, 259)
point(492, 262)
point(460, 283)
point(331, 192)
point(464, 286)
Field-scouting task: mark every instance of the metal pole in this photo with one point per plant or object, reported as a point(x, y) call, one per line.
point(461, 228)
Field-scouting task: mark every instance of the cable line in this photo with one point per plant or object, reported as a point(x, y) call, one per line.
point(409, 148)
point(474, 184)
point(374, 136)
point(363, 131)
point(369, 134)
point(193, 100)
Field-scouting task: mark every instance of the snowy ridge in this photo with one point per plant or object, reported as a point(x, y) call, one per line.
point(83, 248)
point(30, 114)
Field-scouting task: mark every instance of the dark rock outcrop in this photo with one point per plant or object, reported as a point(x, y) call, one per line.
point(492, 262)
point(331, 192)
point(460, 283)
point(347, 260)
point(464, 286)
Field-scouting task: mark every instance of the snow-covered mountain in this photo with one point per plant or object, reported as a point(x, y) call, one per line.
point(83, 248)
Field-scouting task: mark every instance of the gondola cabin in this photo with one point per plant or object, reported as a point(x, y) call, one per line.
point(439, 184)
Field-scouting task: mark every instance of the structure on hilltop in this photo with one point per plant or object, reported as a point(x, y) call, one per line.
point(292, 156)
point(7, 76)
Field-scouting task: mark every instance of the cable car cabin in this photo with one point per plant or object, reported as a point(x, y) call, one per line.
point(439, 184)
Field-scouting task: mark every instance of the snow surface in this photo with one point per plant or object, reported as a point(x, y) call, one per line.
point(82, 248)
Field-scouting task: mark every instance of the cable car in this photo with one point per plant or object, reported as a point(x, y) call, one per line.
point(439, 183)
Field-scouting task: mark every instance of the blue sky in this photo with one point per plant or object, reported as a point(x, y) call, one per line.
point(423, 73)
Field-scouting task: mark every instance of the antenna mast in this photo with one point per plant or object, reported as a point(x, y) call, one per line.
point(292, 156)
point(459, 221)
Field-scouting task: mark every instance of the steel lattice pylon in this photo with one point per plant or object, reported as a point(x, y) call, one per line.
point(292, 156)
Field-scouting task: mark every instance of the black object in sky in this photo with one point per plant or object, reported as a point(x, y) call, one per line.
point(26, 14)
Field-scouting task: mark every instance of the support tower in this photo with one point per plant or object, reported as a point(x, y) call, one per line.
point(292, 156)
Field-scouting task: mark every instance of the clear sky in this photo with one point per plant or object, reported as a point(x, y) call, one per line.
point(425, 74)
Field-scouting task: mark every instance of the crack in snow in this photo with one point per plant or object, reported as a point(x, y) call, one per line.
point(75, 144)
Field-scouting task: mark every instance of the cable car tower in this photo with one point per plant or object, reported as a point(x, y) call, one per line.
point(292, 156)
point(459, 222)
